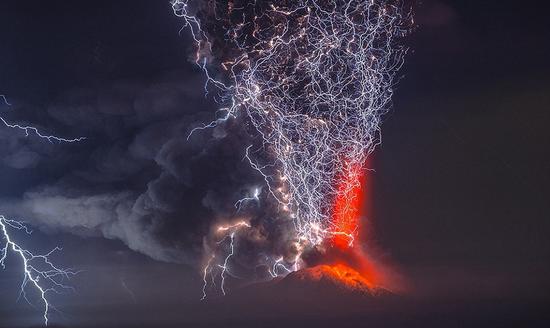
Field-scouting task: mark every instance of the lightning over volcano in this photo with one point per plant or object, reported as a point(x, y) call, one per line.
point(313, 78)
point(274, 163)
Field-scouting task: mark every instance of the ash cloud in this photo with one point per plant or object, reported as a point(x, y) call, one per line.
point(137, 178)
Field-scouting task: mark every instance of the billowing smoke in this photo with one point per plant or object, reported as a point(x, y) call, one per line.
point(136, 178)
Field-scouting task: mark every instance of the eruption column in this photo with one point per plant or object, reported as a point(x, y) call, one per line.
point(313, 77)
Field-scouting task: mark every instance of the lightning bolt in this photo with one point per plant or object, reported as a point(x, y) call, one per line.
point(5, 100)
point(39, 271)
point(255, 197)
point(29, 129)
point(228, 232)
point(224, 266)
point(279, 265)
point(206, 270)
point(128, 290)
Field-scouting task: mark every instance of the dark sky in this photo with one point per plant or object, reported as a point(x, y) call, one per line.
point(460, 194)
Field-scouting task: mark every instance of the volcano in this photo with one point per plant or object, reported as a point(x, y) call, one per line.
point(340, 263)
point(339, 278)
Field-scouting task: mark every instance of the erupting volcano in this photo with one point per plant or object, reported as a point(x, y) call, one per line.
point(310, 81)
point(342, 261)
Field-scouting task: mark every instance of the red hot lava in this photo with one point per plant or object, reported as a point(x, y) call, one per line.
point(345, 259)
point(347, 209)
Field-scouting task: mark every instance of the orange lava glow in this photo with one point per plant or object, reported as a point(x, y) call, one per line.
point(350, 263)
point(349, 277)
point(347, 208)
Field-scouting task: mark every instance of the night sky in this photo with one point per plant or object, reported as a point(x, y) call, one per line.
point(460, 192)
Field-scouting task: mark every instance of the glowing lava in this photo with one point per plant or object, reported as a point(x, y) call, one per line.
point(347, 209)
point(340, 275)
point(347, 261)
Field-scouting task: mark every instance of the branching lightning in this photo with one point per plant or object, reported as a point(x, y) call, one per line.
point(228, 233)
point(28, 129)
point(314, 78)
point(39, 271)
point(255, 197)
point(31, 129)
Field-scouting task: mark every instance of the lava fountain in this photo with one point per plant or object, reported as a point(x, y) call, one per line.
point(343, 259)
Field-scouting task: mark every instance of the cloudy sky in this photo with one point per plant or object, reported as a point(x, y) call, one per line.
point(459, 196)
